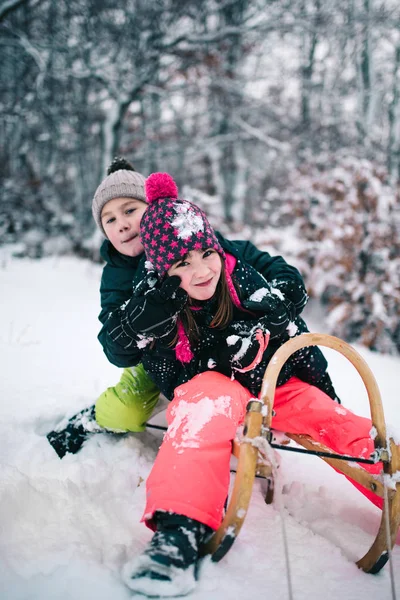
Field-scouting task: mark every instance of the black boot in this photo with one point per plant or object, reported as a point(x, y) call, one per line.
point(69, 437)
point(168, 565)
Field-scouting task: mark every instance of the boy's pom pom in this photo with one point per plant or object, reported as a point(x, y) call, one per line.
point(119, 163)
point(160, 185)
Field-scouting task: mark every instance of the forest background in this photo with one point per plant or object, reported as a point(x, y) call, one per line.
point(280, 117)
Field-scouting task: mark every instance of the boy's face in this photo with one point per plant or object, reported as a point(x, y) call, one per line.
point(121, 218)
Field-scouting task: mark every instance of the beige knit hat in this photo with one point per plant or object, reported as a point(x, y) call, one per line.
point(122, 183)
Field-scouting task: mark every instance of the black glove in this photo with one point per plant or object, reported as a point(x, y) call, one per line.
point(294, 291)
point(274, 312)
point(241, 351)
point(271, 304)
point(155, 313)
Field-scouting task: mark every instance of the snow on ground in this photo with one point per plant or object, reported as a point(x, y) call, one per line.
point(68, 526)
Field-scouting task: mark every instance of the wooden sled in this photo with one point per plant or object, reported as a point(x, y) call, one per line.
point(258, 426)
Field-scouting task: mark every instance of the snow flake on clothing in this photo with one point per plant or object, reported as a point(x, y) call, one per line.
point(259, 294)
point(245, 345)
point(143, 341)
point(278, 293)
point(148, 265)
point(151, 282)
point(123, 306)
point(189, 419)
point(186, 221)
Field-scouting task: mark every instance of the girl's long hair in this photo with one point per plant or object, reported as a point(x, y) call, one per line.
point(222, 317)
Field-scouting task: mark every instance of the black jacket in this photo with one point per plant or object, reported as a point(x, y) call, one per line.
point(254, 270)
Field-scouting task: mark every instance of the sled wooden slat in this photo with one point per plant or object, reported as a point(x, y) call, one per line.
point(263, 468)
point(328, 341)
point(256, 425)
point(224, 537)
point(378, 554)
point(367, 480)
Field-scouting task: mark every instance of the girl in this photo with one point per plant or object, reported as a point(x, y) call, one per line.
point(205, 323)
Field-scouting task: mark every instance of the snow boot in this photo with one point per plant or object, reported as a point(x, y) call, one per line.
point(125, 407)
point(70, 436)
point(168, 566)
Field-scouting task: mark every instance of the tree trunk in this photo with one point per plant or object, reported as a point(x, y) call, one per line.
point(231, 16)
point(393, 159)
point(310, 41)
point(364, 120)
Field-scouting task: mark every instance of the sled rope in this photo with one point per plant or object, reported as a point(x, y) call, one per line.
point(285, 545)
point(388, 539)
point(266, 448)
point(279, 502)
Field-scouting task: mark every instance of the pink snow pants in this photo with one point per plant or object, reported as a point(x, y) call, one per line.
point(191, 473)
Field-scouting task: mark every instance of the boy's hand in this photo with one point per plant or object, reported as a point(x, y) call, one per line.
point(155, 312)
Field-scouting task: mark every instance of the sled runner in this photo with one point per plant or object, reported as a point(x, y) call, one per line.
point(257, 434)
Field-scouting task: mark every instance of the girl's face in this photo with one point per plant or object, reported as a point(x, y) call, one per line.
point(199, 271)
point(121, 218)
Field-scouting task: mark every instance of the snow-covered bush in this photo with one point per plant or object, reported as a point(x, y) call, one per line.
point(344, 224)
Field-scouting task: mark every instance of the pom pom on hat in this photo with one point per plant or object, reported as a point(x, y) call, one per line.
point(118, 163)
point(160, 185)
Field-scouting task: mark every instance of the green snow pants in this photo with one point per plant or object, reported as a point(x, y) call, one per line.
point(128, 405)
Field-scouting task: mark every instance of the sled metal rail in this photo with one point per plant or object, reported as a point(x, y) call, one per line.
point(257, 425)
point(319, 453)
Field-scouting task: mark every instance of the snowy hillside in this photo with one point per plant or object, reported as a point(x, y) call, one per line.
point(67, 526)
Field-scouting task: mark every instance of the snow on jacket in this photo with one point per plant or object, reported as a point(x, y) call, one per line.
point(120, 271)
point(253, 272)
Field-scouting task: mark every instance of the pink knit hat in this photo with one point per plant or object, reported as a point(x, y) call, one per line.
point(170, 228)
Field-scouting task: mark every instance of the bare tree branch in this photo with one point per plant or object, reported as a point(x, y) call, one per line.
point(10, 5)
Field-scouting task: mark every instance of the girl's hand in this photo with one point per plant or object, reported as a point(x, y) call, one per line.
point(274, 313)
point(272, 304)
point(250, 351)
point(155, 313)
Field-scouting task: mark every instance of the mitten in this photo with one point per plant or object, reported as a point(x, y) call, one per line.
point(154, 314)
point(272, 302)
point(242, 352)
point(274, 312)
point(293, 291)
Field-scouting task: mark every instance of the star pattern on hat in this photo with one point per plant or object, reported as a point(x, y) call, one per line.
point(170, 229)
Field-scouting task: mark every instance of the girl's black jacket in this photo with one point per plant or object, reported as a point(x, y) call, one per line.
point(254, 271)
